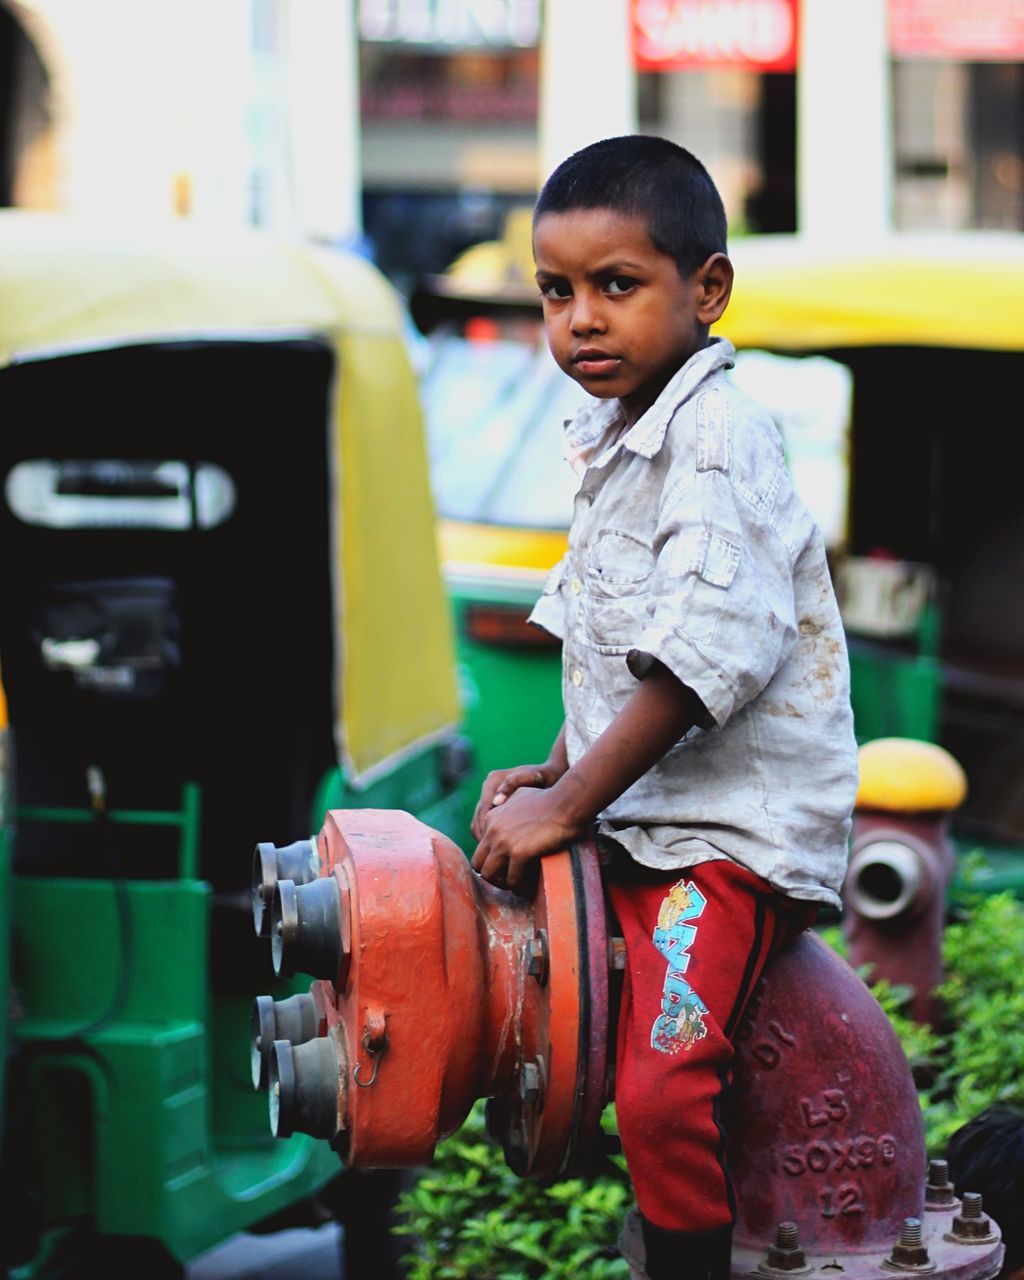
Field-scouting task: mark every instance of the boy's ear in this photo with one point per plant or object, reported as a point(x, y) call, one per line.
point(715, 279)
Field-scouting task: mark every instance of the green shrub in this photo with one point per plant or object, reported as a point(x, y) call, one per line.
point(470, 1218)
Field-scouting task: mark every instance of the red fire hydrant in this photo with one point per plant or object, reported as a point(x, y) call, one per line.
point(901, 863)
point(434, 989)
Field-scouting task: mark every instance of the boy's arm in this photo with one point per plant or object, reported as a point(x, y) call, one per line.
point(501, 783)
point(532, 822)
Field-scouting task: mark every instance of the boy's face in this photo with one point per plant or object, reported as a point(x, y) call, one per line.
point(620, 319)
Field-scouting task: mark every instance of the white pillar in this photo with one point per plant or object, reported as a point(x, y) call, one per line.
point(587, 81)
point(151, 102)
point(323, 96)
point(844, 120)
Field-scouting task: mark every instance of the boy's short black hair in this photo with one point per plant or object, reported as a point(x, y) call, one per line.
point(650, 178)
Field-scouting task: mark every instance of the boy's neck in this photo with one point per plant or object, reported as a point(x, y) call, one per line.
point(632, 413)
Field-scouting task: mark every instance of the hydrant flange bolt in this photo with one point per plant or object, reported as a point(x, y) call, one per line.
point(939, 1192)
point(537, 956)
point(910, 1253)
point(531, 1084)
point(971, 1225)
point(785, 1254)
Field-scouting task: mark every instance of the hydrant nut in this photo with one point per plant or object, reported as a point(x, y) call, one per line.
point(939, 1192)
point(529, 1084)
point(915, 1256)
point(939, 1197)
point(786, 1259)
point(537, 957)
point(785, 1254)
point(971, 1230)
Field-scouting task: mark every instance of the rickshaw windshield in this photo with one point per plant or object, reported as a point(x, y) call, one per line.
point(70, 289)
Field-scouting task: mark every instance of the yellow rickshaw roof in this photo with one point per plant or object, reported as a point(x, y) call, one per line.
point(70, 286)
point(65, 283)
point(963, 289)
point(947, 289)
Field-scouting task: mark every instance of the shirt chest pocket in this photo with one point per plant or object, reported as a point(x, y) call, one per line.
point(704, 565)
point(618, 569)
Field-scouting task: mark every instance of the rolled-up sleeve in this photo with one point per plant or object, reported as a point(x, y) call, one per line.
point(549, 611)
point(720, 615)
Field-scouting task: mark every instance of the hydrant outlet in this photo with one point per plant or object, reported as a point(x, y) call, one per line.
point(307, 1088)
point(885, 880)
point(310, 931)
point(298, 862)
point(295, 1020)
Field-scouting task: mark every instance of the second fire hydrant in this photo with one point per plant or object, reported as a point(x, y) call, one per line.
point(901, 864)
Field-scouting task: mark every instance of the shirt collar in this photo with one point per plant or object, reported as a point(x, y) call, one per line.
point(594, 435)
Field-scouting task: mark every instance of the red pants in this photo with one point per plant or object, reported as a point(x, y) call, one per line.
point(696, 943)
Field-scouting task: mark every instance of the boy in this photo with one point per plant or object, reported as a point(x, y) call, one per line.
point(708, 729)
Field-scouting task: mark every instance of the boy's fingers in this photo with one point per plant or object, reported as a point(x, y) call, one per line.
point(483, 808)
point(516, 779)
point(494, 869)
point(522, 875)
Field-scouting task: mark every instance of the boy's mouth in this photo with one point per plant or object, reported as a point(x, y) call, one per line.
point(592, 360)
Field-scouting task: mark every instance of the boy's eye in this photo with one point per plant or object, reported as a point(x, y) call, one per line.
point(620, 284)
point(555, 289)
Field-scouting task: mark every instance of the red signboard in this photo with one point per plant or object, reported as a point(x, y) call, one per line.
point(673, 35)
point(960, 29)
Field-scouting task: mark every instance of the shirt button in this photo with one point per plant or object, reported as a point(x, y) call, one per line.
point(577, 586)
point(577, 677)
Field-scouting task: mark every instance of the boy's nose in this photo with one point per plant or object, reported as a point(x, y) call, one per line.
point(586, 317)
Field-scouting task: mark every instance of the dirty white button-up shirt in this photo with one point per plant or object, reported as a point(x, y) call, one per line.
point(689, 545)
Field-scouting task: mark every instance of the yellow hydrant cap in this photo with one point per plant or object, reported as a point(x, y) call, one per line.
point(904, 775)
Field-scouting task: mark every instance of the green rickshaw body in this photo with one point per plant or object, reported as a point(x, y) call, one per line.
point(223, 613)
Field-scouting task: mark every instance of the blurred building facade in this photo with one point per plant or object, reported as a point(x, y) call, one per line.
point(420, 123)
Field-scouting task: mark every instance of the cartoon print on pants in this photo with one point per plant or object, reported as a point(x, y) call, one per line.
point(681, 1022)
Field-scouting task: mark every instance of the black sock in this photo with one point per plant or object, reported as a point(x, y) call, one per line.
point(686, 1255)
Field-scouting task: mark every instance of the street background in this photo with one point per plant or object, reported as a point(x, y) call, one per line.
point(415, 132)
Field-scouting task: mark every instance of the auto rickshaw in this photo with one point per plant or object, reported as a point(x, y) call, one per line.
point(891, 368)
point(223, 614)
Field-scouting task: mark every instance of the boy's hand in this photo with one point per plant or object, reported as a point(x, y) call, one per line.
point(526, 826)
point(502, 783)
point(531, 821)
